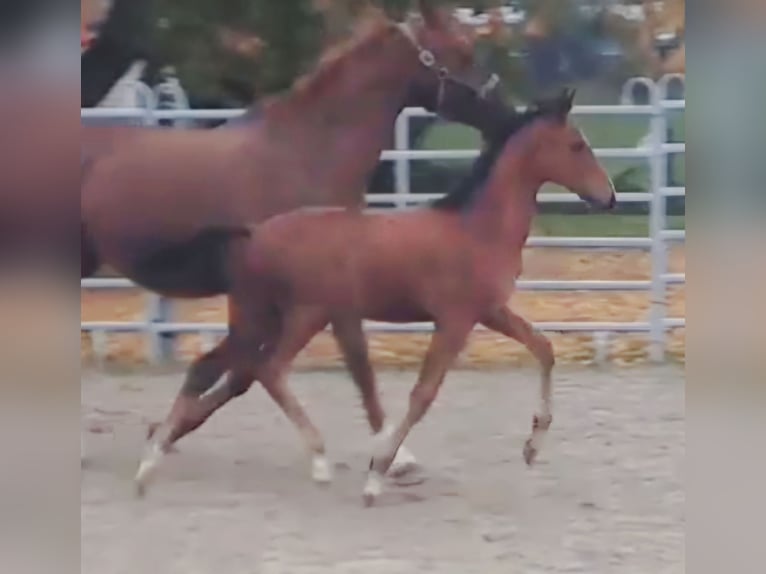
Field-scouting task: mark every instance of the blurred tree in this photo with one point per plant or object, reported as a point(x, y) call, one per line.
point(227, 53)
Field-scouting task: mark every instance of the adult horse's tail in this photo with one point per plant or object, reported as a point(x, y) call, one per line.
point(89, 262)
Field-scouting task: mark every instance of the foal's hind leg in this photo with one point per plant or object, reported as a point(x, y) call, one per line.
point(511, 325)
point(299, 326)
point(190, 409)
point(250, 332)
point(201, 376)
point(353, 344)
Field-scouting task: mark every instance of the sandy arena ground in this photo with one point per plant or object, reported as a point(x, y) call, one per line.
point(605, 497)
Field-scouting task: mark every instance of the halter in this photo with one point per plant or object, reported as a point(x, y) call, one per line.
point(428, 60)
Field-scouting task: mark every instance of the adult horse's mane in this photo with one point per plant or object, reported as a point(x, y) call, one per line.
point(369, 32)
point(509, 124)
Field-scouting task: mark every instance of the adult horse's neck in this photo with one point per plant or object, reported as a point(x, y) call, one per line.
point(502, 211)
point(339, 119)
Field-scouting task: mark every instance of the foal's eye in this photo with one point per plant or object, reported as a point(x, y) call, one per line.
point(577, 147)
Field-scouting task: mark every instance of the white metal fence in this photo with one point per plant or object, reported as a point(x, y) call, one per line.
point(160, 328)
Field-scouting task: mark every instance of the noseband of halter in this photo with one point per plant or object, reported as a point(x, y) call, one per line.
point(428, 60)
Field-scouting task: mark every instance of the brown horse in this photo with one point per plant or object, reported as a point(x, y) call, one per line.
point(455, 264)
point(147, 194)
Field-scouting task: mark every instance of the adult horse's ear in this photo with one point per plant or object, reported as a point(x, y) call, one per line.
point(564, 103)
point(570, 97)
point(429, 12)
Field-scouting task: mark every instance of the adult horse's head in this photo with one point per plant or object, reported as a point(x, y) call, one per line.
point(449, 82)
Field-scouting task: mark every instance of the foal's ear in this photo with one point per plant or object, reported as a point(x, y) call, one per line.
point(429, 12)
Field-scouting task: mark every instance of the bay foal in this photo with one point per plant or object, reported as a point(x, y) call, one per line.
point(454, 263)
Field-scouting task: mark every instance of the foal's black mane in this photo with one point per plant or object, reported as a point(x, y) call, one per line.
point(506, 123)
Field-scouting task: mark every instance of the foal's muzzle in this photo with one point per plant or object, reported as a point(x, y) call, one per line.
point(607, 204)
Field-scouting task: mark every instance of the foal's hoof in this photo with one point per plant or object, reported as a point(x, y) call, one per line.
point(320, 470)
point(148, 468)
point(139, 489)
point(530, 452)
point(368, 499)
point(141, 484)
point(404, 463)
point(372, 488)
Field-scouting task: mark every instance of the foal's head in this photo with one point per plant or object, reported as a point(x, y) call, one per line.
point(448, 82)
point(560, 154)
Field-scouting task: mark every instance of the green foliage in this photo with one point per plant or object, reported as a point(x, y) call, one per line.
point(188, 37)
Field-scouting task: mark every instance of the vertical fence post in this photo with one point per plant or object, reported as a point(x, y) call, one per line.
point(657, 169)
point(158, 309)
point(402, 165)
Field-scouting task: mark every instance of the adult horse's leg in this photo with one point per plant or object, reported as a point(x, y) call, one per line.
point(511, 325)
point(353, 344)
point(446, 344)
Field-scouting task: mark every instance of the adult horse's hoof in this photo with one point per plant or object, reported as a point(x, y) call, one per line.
point(530, 452)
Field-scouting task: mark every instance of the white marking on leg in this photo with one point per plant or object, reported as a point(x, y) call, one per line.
point(381, 445)
point(149, 466)
point(320, 469)
point(542, 421)
point(373, 487)
point(380, 441)
point(404, 461)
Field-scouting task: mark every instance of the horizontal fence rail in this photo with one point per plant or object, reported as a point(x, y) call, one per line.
point(160, 328)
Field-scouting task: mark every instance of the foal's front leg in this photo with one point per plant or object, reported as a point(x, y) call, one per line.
point(446, 344)
point(352, 341)
point(506, 322)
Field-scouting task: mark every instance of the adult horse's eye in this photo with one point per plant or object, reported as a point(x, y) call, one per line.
point(577, 147)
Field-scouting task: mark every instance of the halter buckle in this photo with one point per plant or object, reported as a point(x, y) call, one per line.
point(489, 85)
point(427, 58)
